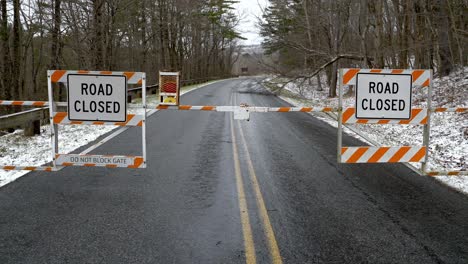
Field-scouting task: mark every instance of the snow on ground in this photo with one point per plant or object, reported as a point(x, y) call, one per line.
point(449, 131)
point(19, 150)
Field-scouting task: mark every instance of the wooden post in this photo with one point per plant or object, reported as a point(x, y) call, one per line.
point(32, 128)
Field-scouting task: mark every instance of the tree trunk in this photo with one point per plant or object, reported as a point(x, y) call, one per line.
point(97, 43)
point(6, 67)
point(445, 65)
point(15, 72)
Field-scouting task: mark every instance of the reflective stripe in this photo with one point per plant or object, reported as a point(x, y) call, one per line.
point(382, 154)
point(132, 120)
point(418, 116)
point(420, 77)
point(60, 76)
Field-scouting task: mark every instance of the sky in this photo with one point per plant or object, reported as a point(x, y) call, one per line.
point(249, 11)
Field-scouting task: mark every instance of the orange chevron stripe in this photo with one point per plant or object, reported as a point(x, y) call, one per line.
point(162, 107)
point(111, 166)
point(67, 164)
point(57, 75)
point(137, 163)
point(9, 167)
point(17, 103)
point(59, 116)
point(383, 121)
point(416, 74)
point(376, 70)
point(424, 121)
point(357, 155)
point(343, 150)
point(106, 72)
point(98, 123)
point(39, 103)
point(419, 155)
point(327, 109)
point(426, 83)
point(140, 123)
point(284, 109)
point(89, 165)
point(208, 108)
point(306, 109)
point(83, 72)
point(129, 75)
point(185, 107)
point(453, 172)
point(399, 154)
point(30, 168)
point(461, 110)
point(378, 154)
point(362, 121)
point(440, 109)
point(349, 75)
point(347, 114)
point(397, 71)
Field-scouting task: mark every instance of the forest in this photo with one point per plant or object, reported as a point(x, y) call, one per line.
point(198, 38)
point(308, 36)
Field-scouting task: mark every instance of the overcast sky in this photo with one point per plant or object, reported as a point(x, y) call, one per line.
point(250, 10)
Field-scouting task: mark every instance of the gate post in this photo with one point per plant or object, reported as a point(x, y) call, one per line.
point(427, 126)
point(52, 110)
point(340, 115)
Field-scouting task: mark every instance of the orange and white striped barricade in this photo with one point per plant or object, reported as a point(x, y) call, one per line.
point(243, 111)
point(229, 108)
point(169, 88)
point(108, 161)
point(96, 98)
point(25, 103)
point(395, 108)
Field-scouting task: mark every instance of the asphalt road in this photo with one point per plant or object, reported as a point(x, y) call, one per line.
point(224, 191)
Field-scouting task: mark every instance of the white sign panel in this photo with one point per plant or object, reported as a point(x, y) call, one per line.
point(383, 96)
point(95, 160)
point(97, 97)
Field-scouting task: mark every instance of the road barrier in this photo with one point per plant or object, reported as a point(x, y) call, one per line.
point(418, 116)
point(391, 89)
point(346, 154)
point(105, 90)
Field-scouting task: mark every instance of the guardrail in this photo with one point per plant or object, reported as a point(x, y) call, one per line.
point(30, 120)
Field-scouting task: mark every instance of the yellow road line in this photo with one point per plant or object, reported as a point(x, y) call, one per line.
point(244, 213)
point(268, 229)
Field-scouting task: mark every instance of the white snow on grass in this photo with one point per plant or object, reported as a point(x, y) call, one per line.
point(19, 150)
point(449, 131)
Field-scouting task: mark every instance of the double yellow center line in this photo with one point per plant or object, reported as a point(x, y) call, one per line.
point(249, 244)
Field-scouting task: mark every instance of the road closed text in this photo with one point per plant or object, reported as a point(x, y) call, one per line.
point(97, 106)
point(97, 97)
point(383, 96)
point(383, 104)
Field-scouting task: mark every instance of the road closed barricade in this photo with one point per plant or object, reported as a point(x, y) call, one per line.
point(384, 96)
point(96, 98)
